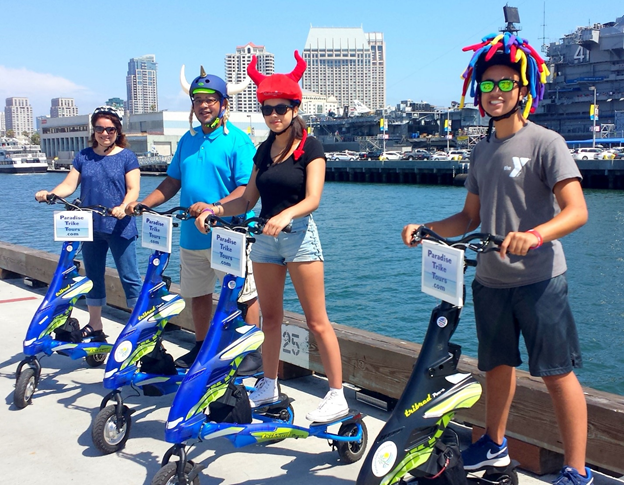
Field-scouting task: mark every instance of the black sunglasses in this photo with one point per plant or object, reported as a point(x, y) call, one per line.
point(280, 109)
point(109, 130)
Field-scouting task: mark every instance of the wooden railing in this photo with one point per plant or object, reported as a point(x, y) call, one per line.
point(382, 364)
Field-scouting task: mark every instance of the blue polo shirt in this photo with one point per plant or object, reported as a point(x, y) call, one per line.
point(210, 167)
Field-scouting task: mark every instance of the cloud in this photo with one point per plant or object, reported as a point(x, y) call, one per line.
point(40, 88)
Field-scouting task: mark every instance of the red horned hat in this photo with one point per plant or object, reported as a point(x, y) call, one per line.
point(276, 86)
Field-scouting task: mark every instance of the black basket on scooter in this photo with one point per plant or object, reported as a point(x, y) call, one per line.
point(232, 407)
point(445, 465)
point(160, 362)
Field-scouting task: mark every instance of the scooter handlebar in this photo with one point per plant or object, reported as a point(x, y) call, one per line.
point(479, 242)
point(253, 225)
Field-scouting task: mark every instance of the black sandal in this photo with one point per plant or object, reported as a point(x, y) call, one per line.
point(88, 332)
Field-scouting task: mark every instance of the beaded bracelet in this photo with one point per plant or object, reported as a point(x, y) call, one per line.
point(540, 240)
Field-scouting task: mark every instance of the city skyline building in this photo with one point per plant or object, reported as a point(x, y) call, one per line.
point(142, 85)
point(18, 116)
point(2, 124)
point(62, 107)
point(348, 64)
point(236, 72)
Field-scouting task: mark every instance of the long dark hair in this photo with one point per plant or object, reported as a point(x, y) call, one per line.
point(298, 127)
point(120, 141)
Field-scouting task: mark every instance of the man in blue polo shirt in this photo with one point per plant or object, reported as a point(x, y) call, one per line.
point(210, 165)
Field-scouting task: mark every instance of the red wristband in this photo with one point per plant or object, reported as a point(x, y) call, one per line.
point(208, 209)
point(540, 240)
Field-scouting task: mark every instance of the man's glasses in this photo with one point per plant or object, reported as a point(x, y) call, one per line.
point(209, 102)
point(110, 130)
point(505, 85)
point(280, 109)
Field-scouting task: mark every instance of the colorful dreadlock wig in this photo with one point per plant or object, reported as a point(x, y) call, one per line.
point(519, 55)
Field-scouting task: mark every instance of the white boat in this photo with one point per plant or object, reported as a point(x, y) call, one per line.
point(20, 158)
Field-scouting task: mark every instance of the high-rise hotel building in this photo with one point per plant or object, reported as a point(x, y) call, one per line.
point(236, 72)
point(142, 85)
point(62, 107)
point(18, 115)
point(347, 63)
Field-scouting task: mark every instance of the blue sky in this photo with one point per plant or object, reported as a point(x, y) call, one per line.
point(80, 49)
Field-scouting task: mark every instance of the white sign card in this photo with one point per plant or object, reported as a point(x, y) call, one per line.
point(228, 251)
point(157, 232)
point(73, 226)
point(443, 272)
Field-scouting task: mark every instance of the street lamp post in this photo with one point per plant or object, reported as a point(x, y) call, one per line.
point(594, 115)
point(249, 116)
point(448, 130)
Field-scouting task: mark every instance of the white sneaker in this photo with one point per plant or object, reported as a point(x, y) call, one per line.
point(333, 406)
point(265, 393)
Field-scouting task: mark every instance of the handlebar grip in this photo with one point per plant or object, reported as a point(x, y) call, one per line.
point(498, 240)
point(139, 209)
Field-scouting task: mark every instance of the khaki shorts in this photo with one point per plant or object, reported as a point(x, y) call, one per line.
point(198, 278)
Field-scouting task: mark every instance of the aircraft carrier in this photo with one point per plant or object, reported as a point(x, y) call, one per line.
point(587, 68)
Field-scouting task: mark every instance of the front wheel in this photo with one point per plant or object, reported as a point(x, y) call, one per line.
point(167, 475)
point(25, 388)
point(352, 451)
point(108, 433)
point(95, 360)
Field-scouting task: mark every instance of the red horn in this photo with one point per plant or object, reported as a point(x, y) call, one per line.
point(299, 69)
point(252, 69)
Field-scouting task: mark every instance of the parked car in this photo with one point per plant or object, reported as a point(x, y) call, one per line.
point(417, 154)
point(610, 154)
point(342, 157)
point(586, 153)
point(440, 156)
point(390, 156)
point(459, 155)
point(373, 155)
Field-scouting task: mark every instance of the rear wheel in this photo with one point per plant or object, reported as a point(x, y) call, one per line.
point(167, 475)
point(352, 451)
point(95, 360)
point(25, 388)
point(110, 435)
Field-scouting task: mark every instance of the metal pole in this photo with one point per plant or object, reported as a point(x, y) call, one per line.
point(594, 128)
point(448, 132)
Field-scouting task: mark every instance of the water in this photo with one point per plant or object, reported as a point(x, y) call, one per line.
point(373, 280)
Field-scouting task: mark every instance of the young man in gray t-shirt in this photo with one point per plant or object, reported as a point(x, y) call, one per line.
point(524, 185)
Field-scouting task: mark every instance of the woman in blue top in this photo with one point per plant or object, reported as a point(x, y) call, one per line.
point(108, 174)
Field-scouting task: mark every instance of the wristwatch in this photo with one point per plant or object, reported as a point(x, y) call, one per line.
point(218, 204)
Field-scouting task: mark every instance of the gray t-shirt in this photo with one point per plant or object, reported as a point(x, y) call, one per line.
point(514, 179)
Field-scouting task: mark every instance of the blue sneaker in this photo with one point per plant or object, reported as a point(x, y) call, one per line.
point(486, 453)
point(570, 476)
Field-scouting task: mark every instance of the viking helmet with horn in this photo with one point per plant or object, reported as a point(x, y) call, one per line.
point(276, 86)
point(208, 83)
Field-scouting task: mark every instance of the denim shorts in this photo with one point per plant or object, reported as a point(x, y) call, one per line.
point(300, 245)
point(541, 313)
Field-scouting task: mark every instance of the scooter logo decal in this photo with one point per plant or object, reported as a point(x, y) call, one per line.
point(417, 405)
point(123, 351)
point(145, 314)
point(62, 290)
point(442, 322)
point(384, 458)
